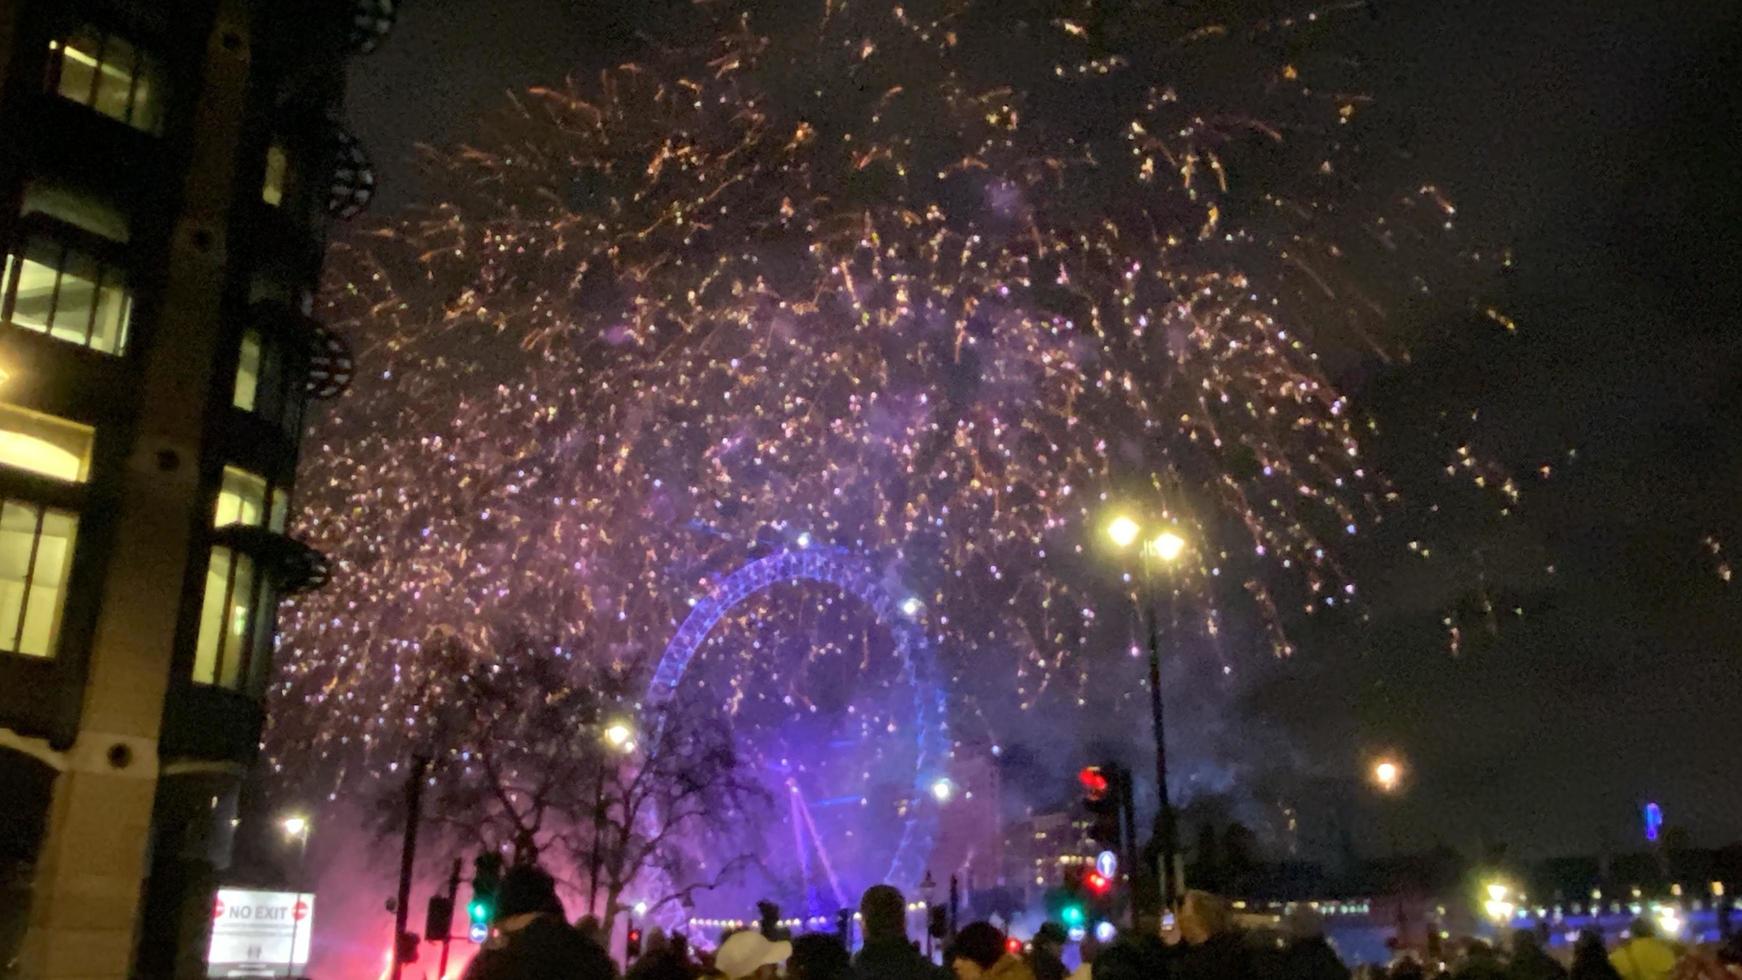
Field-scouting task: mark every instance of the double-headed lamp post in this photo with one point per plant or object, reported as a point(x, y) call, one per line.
point(1160, 544)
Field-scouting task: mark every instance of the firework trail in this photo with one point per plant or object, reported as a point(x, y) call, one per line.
point(931, 281)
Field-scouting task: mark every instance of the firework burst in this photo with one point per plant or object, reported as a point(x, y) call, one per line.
point(929, 281)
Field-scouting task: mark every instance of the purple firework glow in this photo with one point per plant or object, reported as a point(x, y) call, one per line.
point(933, 282)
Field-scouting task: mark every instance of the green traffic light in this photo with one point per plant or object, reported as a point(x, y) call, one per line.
point(1073, 915)
point(479, 912)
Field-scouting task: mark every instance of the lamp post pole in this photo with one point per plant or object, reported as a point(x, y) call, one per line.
point(1166, 840)
point(1163, 547)
point(301, 834)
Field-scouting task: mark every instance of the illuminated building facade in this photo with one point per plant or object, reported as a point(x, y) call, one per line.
point(1043, 850)
point(166, 176)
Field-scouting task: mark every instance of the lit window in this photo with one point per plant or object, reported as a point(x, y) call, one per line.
point(268, 382)
point(109, 75)
point(57, 290)
point(247, 499)
point(272, 189)
point(44, 444)
point(235, 621)
point(248, 372)
point(36, 550)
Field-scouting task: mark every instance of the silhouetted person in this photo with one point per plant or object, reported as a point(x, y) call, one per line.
point(749, 954)
point(1643, 956)
point(532, 939)
point(886, 954)
point(1046, 957)
point(1479, 962)
point(1590, 959)
point(1308, 955)
point(1215, 950)
point(1530, 962)
point(819, 956)
point(979, 953)
point(661, 959)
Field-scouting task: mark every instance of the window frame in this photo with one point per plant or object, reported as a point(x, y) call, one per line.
point(11, 646)
point(38, 231)
point(280, 383)
point(274, 502)
point(51, 421)
point(248, 673)
point(145, 65)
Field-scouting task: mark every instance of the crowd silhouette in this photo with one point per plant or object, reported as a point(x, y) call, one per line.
point(532, 940)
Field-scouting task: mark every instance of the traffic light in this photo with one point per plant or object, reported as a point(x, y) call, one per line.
point(486, 882)
point(1095, 784)
point(438, 919)
point(1097, 884)
point(407, 947)
point(1073, 915)
point(632, 944)
point(1103, 789)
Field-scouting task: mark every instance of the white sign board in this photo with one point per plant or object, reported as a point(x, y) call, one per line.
point(260, 934)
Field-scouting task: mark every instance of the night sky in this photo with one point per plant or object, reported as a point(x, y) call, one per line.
point(1592, 138)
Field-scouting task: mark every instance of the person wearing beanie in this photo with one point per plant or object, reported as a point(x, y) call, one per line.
point(530, 938)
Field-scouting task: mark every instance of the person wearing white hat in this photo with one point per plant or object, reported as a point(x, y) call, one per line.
point(750, 954)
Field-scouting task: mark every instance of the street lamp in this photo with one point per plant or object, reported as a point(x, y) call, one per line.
point(1163, 547)
point(1122, 530)
point(1498, 904)
point(295, 827)
point(618, 736)
point(1387, 775)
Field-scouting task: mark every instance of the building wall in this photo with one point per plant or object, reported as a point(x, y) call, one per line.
point(1041, 850)
point(166, 171)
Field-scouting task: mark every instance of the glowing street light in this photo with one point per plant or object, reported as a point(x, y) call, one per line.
point(1499, 904)
point(620, 736)
point(1167, 546)
point(295, 826)
point(943, 790)
point(1122, 530)
point(1387, 775)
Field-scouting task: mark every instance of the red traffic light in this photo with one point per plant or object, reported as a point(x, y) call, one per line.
point(1094, 782)
point(1014, 945)
point(1097, 882)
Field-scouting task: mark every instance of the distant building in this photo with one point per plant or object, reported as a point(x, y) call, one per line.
point(970, 844)
point(166, 173)
point(1041, 850)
